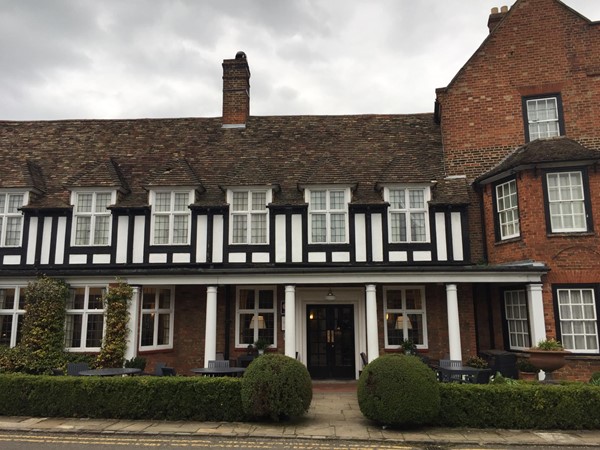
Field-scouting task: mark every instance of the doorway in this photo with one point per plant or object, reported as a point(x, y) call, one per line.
point(330, 341)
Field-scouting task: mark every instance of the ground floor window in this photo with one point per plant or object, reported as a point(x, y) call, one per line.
point(85, 319)
point(156, 330)
point(12, 312)
point(515, 310)
point(578, 318)
point(405, 316)
point(255, 316)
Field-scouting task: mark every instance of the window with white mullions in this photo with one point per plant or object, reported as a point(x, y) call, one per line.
point(92, 218)
point(543, 118)
point(11, 219)
point(515, 309)
point(328, 215)
point(255, 316)
point(12, 313)
point(408, 216)
point(85, 319)
point(566, 201)
point(578, 320)
point(249, 216)
point(171, 217)
point(405, 316)
point(508, 209)
point(156, 329)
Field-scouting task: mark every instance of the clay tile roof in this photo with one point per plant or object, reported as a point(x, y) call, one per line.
point(173, 173)
point(99, 174)
point(22, 174)
point(450, 191)
point(543, 151)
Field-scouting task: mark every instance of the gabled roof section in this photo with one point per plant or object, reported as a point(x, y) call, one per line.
point(542, 152)
point(174, 173)
point(22, 174)
point(450, 191)
point(103, 174)
point(505, 21)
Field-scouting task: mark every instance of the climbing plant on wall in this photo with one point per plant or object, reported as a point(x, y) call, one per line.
point(116, 302)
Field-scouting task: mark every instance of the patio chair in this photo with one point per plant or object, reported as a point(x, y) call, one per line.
point(218, 363)
point(365, 361)
point(168, 372)
point(452, 377)
point(73, 369)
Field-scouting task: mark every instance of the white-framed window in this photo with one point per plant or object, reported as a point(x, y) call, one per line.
point(578, 320)
point(328, 215)
point(543, 117)
point(249, 216)
point(566, 202)
point(405, 316)
point(515, 310)
point(507, 206)
point(408, 213)
point(157, 318)
point(85, 318)
point(91, 218)
point(12, 313)
point(255, 315)
point(11, 219)
point(171, 217)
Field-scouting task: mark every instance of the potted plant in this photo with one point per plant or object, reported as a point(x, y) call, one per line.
point(483, 374)
point(548, 355)
point(527, 371)
point(261, 344)
point(408, 347)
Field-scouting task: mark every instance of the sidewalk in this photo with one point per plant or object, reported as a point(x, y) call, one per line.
point(334, 414)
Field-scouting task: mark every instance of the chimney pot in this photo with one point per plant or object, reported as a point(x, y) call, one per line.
point(236, 91)
point(504, 9)
point(494, 10)
point(496, 16)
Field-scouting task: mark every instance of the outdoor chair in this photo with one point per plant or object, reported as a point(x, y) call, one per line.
point(365, 361)
point(73, 369)
point(168, 372)
point(452, 377)
point(218, 363)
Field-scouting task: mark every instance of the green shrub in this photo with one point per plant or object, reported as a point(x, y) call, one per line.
point(114, 342)
point(137, 362)
point(149, 398)
point(276, 387)
point(399, 390)
point(595, 379)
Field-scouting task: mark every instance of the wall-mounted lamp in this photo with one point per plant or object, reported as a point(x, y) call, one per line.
point(330, 295)
point(258, 322)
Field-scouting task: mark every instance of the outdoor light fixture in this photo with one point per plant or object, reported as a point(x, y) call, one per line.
point(330, 295)
point(258, 322)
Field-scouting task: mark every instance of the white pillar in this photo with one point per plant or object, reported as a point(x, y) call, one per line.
point(210, 337)
point(372, 333)
point(133, 325)
point(290, 321)
point(453, 323)
point(535, 305)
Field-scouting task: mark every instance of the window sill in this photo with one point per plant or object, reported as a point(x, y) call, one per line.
point(571, 234)
point(509, 241)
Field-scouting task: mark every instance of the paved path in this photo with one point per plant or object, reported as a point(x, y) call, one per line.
point(334, 414)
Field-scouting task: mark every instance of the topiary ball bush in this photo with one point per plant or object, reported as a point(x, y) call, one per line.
point(399, 390)
point(276, 387)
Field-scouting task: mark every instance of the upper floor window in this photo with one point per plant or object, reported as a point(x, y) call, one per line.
point(578, 320)
point(12, 313)
point(328, 215)
point(405, 316)
point(156, 329)
point(566, 202)
point(91, 218)
point(249, 216)
point(85, 319)
point(171, 217)
point(11, 219)
point(515, 311)
point(543, 117)
point(408, 216)
point(507, 208)
point(255, 316)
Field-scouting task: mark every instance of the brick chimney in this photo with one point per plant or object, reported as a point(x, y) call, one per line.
point(496, 16)
point(236, 91)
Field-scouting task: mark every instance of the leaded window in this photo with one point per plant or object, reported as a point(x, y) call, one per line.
point(256, 315)
point(85, 319)
point(405, 316)
point(249, 216)
point(92, 219)
point(11, 219)
point(171, 217)
point(328, 215)
point(157, 318)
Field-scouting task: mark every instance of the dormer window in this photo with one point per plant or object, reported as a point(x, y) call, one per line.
point(543, 117)
point(408, 213)
point(171, 217)
point(328, 215)
point(11, 219)
point(249, 215)
point(92, 218)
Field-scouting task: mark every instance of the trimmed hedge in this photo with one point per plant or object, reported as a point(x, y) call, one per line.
point(163, 398)
point(520, 406)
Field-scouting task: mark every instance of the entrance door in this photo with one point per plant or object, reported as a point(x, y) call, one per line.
point(330, 339)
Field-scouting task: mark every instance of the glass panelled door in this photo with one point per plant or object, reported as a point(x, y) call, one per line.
point(330, 339)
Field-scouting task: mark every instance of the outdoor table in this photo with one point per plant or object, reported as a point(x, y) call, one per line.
point(219, 371)
point(110, 372)
point(465, 374)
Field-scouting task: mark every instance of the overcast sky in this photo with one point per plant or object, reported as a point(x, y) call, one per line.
point(71, 59)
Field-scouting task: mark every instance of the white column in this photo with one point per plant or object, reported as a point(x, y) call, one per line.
point(133, 325)
point(453, 323)
point(210, 337)
point(535, 305)
point(290, 321)
point(372, 333)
